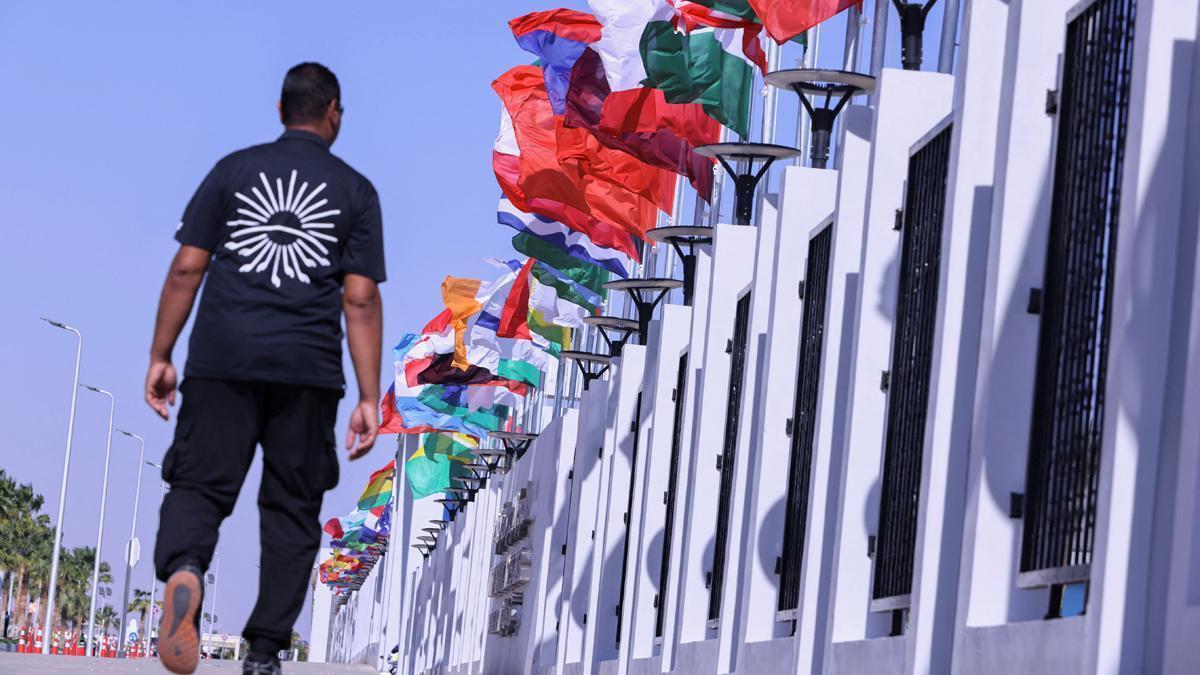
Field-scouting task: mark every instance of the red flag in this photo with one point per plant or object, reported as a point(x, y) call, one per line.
point(333, 527)
point(392, 422)
point(514, 320)
point(570, 166)
point(785, 19)
point(655, 142)
point(507, 170)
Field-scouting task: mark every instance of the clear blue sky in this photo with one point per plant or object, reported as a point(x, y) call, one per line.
point(112, 113)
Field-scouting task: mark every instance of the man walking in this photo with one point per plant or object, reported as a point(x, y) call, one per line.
point(290, 237)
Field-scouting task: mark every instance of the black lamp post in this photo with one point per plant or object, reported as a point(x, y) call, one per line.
point(516, 443)
point(912, 31)
point(615, 331)
point(836, 87)
point(591, 366)
point(646, 294)
point(746, 183)
point(685, 241)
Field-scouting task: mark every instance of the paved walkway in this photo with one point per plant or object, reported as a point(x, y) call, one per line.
point(36, 664)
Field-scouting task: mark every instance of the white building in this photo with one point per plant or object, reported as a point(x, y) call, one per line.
point(931, 414)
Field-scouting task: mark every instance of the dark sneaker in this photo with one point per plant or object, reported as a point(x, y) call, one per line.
point(179, 630)
point(257, 664)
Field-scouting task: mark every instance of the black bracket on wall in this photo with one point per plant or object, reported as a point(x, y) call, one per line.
point(1016, 505)
point(1035, 301)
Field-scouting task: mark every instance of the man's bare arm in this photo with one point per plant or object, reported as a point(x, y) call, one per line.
point(364, 332)
point(174, 305)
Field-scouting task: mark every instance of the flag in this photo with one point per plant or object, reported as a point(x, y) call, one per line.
point(576, 86)
point(570, 166)
point(658, 141)
point(586, 275)
point(558, 37)
point(451, 400)
point(785, 19)
point(515, 312)
point(429, 472)
point(544, 326)
point(688, 52)
point(450, 444)
point(575, 244)
point(378, 491)
point(568, 289)
point(506, 164)
point(545, 300)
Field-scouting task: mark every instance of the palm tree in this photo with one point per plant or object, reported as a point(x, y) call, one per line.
point(25, 539)
point(74, 583)
point(140, 605)
point(107, 617)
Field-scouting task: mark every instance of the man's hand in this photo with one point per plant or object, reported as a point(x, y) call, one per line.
point(160, 387)
point(364, 332)
point(364, 423)
point(178, 292)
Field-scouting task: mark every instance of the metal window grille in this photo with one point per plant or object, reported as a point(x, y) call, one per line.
point(737, 378)
point(664, 572)
point(1068, 409)
point(908, 382)
point(636, 430)
point(808, 382)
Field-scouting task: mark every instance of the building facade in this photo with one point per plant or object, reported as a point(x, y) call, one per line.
point(932, 412)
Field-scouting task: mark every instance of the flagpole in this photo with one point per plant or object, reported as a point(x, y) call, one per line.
point(714, 209)
point(803, 123)
point(770, 98)
point(949, 36)
point(879, 40)
point(676, 213)
point(853, 32)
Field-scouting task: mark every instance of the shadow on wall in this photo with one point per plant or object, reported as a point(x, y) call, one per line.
point(770, 539)
point(1156, 248)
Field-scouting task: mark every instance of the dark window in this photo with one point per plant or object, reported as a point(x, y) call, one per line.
point(908, 381)
point(808, 383)
point(1068, 408)
point(672, 484)
point(737, 378)
point(636, 431)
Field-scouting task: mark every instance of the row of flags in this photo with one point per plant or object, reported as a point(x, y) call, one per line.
point(593, 139)
point(360, 538)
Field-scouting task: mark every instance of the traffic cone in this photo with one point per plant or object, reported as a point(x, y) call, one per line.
point(21, 642)
point(37, 643)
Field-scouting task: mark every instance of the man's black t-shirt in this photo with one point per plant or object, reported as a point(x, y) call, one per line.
point(285, 222)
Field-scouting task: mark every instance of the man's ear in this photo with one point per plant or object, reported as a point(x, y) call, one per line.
point(279, 107)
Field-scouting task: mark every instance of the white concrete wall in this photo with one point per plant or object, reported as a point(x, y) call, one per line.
point(604, 595)
point(733, 246)
point(833, 398)
point(585, 486)
point(910, 104)
point(322, 615)
point(668, 341)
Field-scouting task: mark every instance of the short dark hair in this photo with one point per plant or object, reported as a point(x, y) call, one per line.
point(307, 90)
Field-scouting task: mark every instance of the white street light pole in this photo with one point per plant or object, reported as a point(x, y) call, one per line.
point(103, 503)
point(48, 627)
point(212, 610)
point(130, 554)
point(162, 492)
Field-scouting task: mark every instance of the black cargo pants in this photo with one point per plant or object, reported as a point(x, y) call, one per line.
point(220, 423)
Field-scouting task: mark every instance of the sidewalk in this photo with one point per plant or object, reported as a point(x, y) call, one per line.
point(37, 663)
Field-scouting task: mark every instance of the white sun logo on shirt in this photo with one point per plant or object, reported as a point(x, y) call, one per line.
point(282, 230)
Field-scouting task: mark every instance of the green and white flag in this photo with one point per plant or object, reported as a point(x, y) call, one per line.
point(690, 52)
